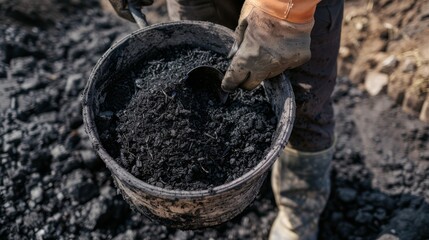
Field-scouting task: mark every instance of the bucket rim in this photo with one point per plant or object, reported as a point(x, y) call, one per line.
point(129, 179)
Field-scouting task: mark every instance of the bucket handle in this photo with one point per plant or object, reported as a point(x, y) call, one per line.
point(137, 15)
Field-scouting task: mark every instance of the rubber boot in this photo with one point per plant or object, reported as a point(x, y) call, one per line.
point(301, 186)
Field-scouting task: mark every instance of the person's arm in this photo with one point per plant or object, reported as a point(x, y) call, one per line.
point(272, 36)
point(121, 7)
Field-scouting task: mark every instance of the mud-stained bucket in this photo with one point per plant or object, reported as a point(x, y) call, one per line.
point(175, 208)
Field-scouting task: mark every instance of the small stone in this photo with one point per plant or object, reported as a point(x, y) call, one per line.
point(360, 25)
point(72, 84)
point(128, 235)
point(139, 83)
point(363, 217)
point(388, 65)
point(378, 199)
point(249, 149)
point(98, 214)
point(380, 214)
point(414, 100)
point(398, 83)
point(375, 82)
point(409, 65)
point(84, 191)
point(345, 52)
point(59, 152)
point(30, 83)
point(424, 155)
point(139, 163)
point(388, 236)
point(68, 165)
point(40, 234)
point(424, 112)
point(89, 159)
point(13, 137)
point(10, 211)
point(408, 167)
point(80, 187)
point(346, 194)
point(21, 66)
point(37, 194)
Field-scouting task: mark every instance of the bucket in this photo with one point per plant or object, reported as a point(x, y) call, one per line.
point(176, 208)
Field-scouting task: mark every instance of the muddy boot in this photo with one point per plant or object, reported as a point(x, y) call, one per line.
point(301, 185)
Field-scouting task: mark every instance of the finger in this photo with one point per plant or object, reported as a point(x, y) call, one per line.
point(240, 30)
point(235, 75)
point(239, 35)
point(253, 81)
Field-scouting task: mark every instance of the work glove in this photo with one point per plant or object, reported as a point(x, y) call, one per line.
point(272, 36)
point(121, 7)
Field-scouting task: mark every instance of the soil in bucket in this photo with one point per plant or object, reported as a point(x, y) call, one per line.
point(174, 137)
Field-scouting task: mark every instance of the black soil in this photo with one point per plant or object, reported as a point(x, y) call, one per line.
point(53, 185)
point(176, 136)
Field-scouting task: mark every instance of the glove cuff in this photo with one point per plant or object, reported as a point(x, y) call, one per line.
point(296, 11)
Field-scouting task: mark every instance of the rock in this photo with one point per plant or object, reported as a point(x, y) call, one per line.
point(40, 234)
point(345, 52)
point(59, 152)
point(363, 217)
point(98, 214)
point(378, 199)
point(358, 72)
point(72, 85)
point(413, 100)
point(10, 210)
point(127, 235)
point(380, 214)
point(346, 194)
point(21, 66)
point(80, 187)
point(409, 65)
point(388, 236)
point(37, 194)
point(69, 165)
point(398, 84)
point(33, 219)
point(13, 137)
point(89, 158)
point(84, 191)
point(375, 82)
point(361, 24)
point(249, 149)
point(388, 65)
point(41, 160)
point(424, 112)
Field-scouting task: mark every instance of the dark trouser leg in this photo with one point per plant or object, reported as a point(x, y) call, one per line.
point(314, 82)
point(300, 177)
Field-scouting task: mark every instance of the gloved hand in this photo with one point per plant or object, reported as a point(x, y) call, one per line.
point(121, 7)
point(272, 36)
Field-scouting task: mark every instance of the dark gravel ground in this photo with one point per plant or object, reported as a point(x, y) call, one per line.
point(53, 186)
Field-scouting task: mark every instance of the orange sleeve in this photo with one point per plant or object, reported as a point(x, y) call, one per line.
point(297, 11)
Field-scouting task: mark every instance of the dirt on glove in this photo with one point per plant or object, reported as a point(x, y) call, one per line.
point(176, 137)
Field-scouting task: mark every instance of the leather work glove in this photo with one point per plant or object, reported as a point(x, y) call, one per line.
point(272, 36)
point(121, 7)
